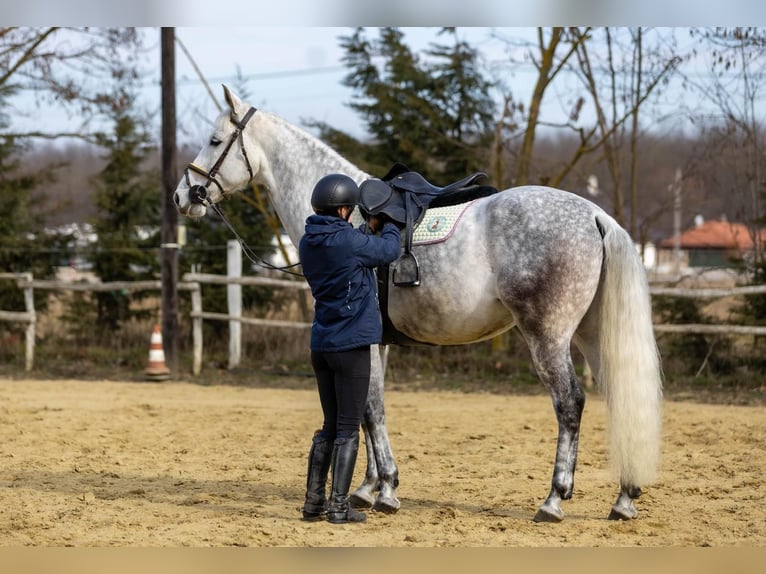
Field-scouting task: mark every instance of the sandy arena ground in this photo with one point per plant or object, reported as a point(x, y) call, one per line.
point(177, 464)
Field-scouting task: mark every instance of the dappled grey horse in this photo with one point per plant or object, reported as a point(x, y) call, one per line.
point(549, 262)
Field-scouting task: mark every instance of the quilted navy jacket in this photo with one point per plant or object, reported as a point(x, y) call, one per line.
point(338, 262)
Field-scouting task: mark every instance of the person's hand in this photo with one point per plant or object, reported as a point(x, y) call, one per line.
point(375, 222)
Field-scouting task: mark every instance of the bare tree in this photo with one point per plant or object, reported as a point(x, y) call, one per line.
point(619, 76)
point(736, 58)
point(617, 73)
point(67, 67)
point(553, 48)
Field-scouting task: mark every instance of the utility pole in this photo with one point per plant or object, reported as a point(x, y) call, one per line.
point(677, 222)
point(169, 246)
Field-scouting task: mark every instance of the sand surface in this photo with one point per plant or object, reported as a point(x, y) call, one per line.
point(105, 463)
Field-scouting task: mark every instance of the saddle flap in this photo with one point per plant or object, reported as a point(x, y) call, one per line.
point(374, 194)
point(376, 197)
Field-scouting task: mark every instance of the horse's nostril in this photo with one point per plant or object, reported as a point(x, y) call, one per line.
point(175, 198)
point(198, 194)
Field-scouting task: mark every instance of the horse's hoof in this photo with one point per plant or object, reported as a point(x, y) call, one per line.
point(623, 513)
point(549, 514)
point(358, 500)
point(623, 509)
point(386, 504)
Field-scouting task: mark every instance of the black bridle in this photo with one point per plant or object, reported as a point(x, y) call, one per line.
point(198, 193)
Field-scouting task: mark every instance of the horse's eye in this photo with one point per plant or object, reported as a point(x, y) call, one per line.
point(214, 141)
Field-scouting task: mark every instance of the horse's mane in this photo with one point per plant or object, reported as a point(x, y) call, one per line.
point(313, 145)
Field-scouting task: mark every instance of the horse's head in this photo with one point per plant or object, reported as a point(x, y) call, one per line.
point(222, 166)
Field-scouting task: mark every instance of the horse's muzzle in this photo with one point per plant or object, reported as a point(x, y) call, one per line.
point(188, 207)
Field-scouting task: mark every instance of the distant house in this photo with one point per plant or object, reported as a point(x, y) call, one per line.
point(714, 243)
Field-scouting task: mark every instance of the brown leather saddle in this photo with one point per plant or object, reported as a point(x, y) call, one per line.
point(404, 196)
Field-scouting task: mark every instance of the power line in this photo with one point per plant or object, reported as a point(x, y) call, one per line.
point(255, 76)
point(269, 75)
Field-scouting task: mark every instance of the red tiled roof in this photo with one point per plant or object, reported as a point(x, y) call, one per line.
point(716, 235)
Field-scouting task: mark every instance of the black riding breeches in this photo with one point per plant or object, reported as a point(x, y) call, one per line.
point(343, 379)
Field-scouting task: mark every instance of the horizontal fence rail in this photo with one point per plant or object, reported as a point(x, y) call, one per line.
point(26, 282)
point(705, 329)
point(253, 282)
point(246, 280)
point(191, 282)
point(708, 293)
point(250, 320)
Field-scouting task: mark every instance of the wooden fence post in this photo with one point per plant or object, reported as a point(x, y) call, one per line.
point(196, 303)
point(234, 300)
point(29, 302)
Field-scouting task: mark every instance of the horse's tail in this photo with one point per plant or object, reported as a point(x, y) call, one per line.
point(629, 373)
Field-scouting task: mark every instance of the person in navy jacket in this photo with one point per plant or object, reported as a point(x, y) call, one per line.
point(339, 264)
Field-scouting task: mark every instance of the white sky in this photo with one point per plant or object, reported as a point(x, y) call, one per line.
point(293, 71)
point(387, 13)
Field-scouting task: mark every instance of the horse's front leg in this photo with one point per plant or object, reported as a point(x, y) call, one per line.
point(568, 403)
point(364, 495)
point(378, 490)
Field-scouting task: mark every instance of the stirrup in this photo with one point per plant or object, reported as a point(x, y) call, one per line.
point(408, 267)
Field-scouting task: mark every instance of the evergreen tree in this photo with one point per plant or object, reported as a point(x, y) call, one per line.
point(462, 110)
point(433, 114)
point(25, 246)
point(128, 221)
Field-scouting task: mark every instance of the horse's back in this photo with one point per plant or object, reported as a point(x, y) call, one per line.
point(526, 252)
point(535, 225)
point(540, 208)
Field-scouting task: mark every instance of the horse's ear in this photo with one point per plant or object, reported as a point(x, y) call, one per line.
point(230, 98)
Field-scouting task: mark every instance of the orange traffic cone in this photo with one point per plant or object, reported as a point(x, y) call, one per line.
point(157, 370)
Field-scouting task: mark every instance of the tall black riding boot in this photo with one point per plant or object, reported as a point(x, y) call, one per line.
point(339, 510)
point(320, 457)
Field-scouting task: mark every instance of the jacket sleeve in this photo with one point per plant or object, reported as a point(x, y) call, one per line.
point(373, 250)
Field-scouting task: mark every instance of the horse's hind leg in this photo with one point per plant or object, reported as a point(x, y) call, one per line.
point(624, 509)
point(587, 339)
point(382, 477)
point(554, 366)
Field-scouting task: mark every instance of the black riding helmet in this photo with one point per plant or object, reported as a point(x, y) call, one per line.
point(334, 191)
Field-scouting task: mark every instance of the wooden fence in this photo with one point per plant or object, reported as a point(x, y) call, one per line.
point(29, 317)
point(709, 294)
point(28, 284)
point(191, 282)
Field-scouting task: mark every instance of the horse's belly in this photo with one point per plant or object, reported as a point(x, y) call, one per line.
point(443, 317)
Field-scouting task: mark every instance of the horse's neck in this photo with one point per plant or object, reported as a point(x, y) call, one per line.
point(291, 162)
